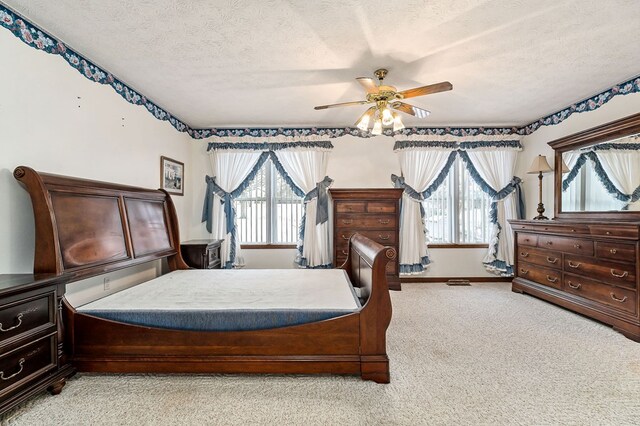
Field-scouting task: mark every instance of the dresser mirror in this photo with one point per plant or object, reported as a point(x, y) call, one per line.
point(603, 177)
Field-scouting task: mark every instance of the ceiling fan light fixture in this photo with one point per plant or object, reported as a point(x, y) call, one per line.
point(363, 123)
point(387, 117)
point(377, 127)
point(397, 123)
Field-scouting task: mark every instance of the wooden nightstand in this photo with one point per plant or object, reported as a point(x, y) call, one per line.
point(202, 254)
point(32, 356)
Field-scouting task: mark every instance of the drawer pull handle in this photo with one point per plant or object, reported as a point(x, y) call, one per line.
point(608, 232)
point(21, 362)
point(622, 275)
point(577, 246)
point(613, 251)
point(345, 252)
point(549, 243)
point(524, 254)
point(574, 265)
point(19, 318)
point(552, 279)
point(384, 238)
point(523, 271)
point(347, 222)
point(550, 260)
point(574, 286)
point(613, 296)
point(573, 230)
point(384, 221)
point(345, 237)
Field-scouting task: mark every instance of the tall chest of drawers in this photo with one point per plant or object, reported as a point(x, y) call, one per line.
point(32, 356)
point(374, 213)
point(588, 267)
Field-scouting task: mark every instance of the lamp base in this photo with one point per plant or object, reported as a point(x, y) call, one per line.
point(540, 211)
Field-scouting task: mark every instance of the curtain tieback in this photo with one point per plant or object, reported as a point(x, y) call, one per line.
point(514, 185)
point(321, 193)
point(399, 182)
point(214, 189)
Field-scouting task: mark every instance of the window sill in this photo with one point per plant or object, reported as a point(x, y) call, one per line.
point(266, 246)
point(457, 246)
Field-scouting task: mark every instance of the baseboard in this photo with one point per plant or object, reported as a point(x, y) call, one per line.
point(445, 279)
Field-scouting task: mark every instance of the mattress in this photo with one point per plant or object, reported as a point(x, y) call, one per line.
point(231, 300)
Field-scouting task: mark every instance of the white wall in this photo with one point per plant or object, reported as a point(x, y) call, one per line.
point(54, 120)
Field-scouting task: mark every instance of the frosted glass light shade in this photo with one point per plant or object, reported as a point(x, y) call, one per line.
point(377, 127)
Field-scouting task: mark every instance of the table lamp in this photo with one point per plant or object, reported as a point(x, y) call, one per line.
point(540, 166)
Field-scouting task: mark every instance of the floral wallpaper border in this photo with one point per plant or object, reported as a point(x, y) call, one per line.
point(39, 39)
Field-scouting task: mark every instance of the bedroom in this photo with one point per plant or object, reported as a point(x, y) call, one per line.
point(521, 77)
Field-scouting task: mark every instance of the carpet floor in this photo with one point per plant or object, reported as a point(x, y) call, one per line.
point(478, 355)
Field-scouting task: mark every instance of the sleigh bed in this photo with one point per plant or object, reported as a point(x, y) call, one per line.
point(88, 228)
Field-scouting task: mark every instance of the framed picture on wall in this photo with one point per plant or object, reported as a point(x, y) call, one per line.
point(171, 176)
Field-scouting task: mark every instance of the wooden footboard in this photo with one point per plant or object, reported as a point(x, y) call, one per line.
point(86, 228)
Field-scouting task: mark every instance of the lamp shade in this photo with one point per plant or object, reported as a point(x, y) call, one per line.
point(540, 165)
point(565, 168)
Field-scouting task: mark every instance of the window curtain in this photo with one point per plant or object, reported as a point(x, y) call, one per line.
point(307, 170)
point(424, 167)
point(492, 167)
point(233, 172)
point(302, 164)
point(618, 167)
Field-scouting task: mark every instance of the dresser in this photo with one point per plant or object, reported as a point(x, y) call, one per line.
point(374, 213)
point(588, 267)
point(32, 356)
point(201, 254)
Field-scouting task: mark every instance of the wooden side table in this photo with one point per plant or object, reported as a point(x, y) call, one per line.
point(202, 254)
point(32, 356)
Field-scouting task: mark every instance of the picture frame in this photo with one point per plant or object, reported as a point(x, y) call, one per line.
point(171, 176)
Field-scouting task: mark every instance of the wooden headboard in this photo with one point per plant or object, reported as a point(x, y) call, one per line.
point(87, 228)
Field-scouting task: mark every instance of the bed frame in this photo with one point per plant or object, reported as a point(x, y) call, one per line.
point(87, 228)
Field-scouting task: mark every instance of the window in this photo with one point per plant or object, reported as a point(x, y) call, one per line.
point(268, 212)
point(458, 212)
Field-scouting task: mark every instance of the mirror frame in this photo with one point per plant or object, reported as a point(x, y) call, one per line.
point(616, 129)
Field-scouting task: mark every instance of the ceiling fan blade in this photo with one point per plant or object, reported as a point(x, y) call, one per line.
point(368, 113)
point(426, 90)
point(410, 109)
point(368, 84)
point(341, 104)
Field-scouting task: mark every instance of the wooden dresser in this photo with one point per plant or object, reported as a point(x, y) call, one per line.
point(374, 213)
point(32, 358)
point(588, 267)
point(202, 254)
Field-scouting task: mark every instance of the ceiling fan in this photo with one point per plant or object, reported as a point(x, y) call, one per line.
point(386, 98)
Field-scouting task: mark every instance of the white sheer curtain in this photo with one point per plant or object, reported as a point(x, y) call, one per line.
point(622, 167)
point(231, 169)
point(307, 169)
point(496, 167)
point(420, 167)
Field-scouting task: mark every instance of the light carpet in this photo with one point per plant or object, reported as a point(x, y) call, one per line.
point(478, 355)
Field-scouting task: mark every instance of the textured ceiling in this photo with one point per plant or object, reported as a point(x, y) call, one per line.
point(268, 62)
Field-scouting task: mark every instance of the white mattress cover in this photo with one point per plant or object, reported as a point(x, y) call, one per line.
point(221, 289)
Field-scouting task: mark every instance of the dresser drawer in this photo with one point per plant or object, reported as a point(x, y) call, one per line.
point(23, 364)
point(381, 207)
point(383, 236)
point(567, 245)
point(616, 251)
point(550, 259)
point(366, 222)
point(20, 317)
point(350, 206)
point(622, 274)
point(546, 276)
point(527, 239)
point(616, 297)
point(619, 231)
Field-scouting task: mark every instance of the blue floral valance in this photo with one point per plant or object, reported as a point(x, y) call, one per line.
point(460, 145)
point(39, 39)
point(268, 146)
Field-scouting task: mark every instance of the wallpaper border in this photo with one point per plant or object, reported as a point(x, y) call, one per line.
point(41, 40)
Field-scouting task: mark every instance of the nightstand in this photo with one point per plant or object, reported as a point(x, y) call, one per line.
point(202, 254)
point(32, 356)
